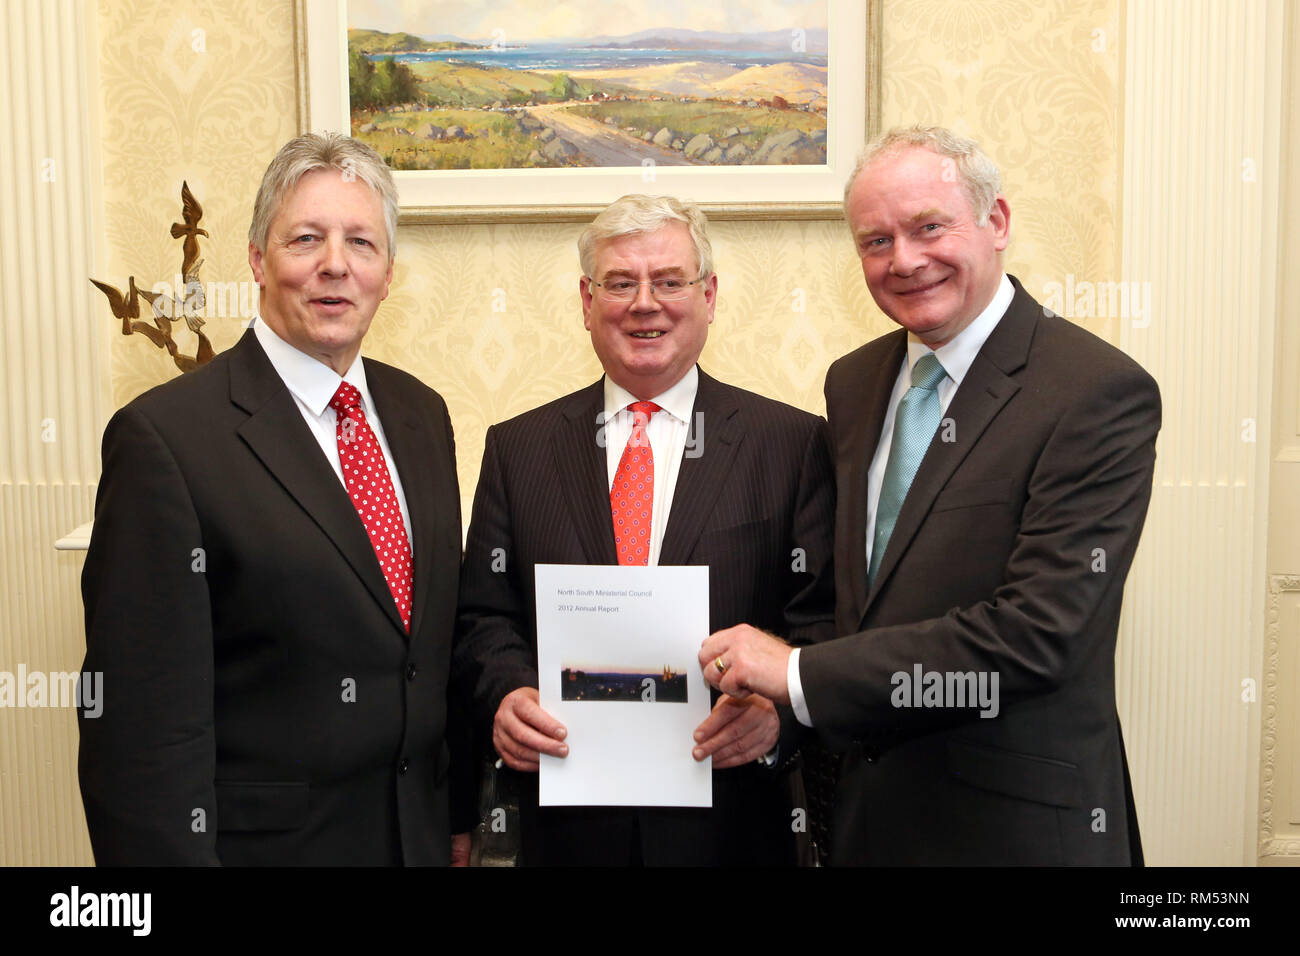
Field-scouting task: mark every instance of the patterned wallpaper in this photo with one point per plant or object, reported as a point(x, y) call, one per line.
point(489, 314)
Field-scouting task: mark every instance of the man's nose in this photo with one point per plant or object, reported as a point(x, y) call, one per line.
point(906, 258)
point(645, 300)
point(334, 260)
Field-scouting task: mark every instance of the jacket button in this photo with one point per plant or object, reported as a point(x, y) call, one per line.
point(410, 672)
point(403, 765)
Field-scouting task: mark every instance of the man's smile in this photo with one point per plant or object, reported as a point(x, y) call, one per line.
point(920, 290)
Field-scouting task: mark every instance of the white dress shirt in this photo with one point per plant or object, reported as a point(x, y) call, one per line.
point(312, 384)
point(667, 432)
point(956, 357)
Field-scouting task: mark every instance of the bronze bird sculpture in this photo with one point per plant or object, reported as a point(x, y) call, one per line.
point(188, 305)
point(128, 310)
point(191, 212)
point(165, 313)
point(166, 309)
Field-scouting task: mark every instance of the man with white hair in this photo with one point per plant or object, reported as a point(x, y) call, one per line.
point(270, 588)
point(993, 467)
point(728, 479)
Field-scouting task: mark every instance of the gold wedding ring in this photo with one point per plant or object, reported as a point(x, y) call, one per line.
point(717, 662)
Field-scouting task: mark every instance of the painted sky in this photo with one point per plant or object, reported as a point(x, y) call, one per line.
point(539, 20)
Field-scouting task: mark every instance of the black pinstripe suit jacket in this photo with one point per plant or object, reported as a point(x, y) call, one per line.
point(760, 488)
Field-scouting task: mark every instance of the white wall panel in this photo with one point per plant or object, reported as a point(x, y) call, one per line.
point(1200, 185)
point(53, 385)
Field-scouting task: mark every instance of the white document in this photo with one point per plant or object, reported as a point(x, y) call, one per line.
point(618, 665)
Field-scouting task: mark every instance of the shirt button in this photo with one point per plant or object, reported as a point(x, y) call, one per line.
point(410, 672)
point(402, 766)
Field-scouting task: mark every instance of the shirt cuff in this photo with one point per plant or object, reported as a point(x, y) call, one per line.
point(795, 690)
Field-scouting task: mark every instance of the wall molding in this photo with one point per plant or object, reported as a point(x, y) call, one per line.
point(1272, 756)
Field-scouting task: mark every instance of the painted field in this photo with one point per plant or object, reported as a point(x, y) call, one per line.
point(674, 96)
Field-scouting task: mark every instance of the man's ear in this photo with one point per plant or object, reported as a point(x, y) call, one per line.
point(1000, 221)
point(255, 263)
point(584, 290)
point(711, 294)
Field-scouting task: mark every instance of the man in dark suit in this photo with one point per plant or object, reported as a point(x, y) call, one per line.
point(270, 588)
point(732, 480)
point(993, 468)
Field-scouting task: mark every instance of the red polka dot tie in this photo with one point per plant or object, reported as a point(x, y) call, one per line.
point(631, 500)
point(365, 474)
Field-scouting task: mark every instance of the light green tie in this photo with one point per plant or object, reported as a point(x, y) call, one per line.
point(915, 423)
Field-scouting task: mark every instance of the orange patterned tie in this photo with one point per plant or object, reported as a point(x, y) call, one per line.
point(631, 500)
point(365, 474)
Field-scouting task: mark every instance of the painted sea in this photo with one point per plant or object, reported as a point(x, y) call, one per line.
point(550, 57)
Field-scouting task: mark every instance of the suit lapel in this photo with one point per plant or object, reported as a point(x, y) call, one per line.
point(858, 448)
point(278, 436)
point(584, 477)
point(987, 387)
point(418, 464)
point(716, 433)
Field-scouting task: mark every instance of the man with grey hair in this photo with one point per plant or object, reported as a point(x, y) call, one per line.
point(994, 465)
point(270, 588)
point(729, 479)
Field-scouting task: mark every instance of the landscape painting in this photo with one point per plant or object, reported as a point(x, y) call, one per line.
point(501, 102)
point(505, 85)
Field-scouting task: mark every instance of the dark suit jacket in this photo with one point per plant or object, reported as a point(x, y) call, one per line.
point(760, 489)
point(1009, 556)
point(263, 703)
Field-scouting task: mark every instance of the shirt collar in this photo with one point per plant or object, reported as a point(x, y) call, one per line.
point(957, 355)
point(312, 382)
point(677, 401)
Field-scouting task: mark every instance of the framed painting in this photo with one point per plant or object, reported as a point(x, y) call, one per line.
point(518, 110)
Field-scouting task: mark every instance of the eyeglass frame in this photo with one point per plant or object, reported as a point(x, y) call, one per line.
point(640, 282)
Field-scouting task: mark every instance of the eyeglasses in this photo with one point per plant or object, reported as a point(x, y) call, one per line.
point(663, 289)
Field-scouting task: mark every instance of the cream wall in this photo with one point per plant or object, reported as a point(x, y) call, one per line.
point(488, 315)
point(216, 118)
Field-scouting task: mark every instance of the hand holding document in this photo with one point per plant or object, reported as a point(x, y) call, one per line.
point(738, 732)
point(521, 731)
point(616, 656)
